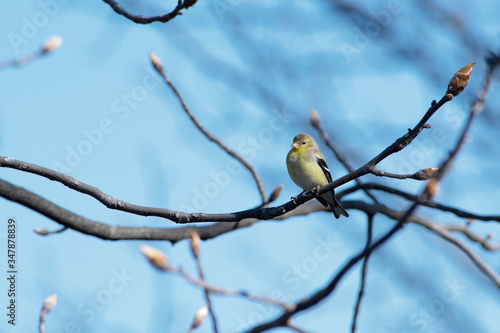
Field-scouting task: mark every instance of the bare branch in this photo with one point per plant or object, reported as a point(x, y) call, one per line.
point(295, 328)
point(464, 229)
point(445, 234)
point(50, 45)
point(150, 19)
point(45, 232)
point(112, 203)
point(476, 108)
point(442, 231)
point(411, 197)
point(424, 174)
point(317, 297)
point(48, 305)
point(195, 250)
point(369, 236)
point(316, 122)
point(160, 261)
point(230, 292)
point(112, 232)
point(260, 185)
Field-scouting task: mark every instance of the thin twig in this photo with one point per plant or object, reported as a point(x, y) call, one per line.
point(445, 234)
point(419, 175)
point(159, 260)
point(316, 122)
point(412, 197)
point(45, 232)
point(483, 241)
point(195, 249)
point(295, 328)
point(20, 61)
point(369, 236)
point(48, 305)
point(439, 229)
point(149, 19)
point(395, 147)
point(476, 108)
point(260, 184)
point(230, 292)
point(50, 45)
point(323, 293)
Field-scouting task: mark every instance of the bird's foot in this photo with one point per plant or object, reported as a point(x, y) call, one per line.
point(315, 190)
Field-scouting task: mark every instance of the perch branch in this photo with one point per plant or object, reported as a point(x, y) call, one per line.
point(316, 123)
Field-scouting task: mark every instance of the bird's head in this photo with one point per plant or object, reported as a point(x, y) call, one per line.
point(304, 141)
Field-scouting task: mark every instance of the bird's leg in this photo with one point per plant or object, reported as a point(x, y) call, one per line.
point(315, 190)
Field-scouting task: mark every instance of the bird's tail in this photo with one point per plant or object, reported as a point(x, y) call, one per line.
point(337, 207)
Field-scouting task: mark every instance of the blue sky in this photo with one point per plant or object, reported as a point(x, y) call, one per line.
point(96, 110)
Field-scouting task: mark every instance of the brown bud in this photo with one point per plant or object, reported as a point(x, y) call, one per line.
point(432, 188)
point(50, 303)
point(490, 235)
point(156, 62)
point(275, 194)
point(156, 258)
point(314, 118)
point(460, 80)
point(469, 222)
point(189, 3)
point(52, 44)
point(199, 317)
point(195, 244)
point(42, 232)
point(427, 174)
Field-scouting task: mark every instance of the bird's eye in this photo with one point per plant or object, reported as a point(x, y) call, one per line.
point(304, 143)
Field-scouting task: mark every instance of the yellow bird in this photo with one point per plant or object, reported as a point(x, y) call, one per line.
point(307, 168)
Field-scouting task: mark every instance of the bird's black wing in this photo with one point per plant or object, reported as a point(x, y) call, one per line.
point(322, 163)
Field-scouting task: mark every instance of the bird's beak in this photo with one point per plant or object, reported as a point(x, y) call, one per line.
point(295, 145)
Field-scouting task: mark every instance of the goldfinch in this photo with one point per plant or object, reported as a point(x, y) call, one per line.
point(308, 170)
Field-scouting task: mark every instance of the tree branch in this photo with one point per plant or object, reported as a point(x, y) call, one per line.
point(419, 175)
point(50, 45)
point(160, 261)
point(150, 19)
point(260, 185)
point(369, 236)
point(411, 197)
point(48, 305)
point(443, 232)
point(110, 232)
point(195, 250)
point(316, 123)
